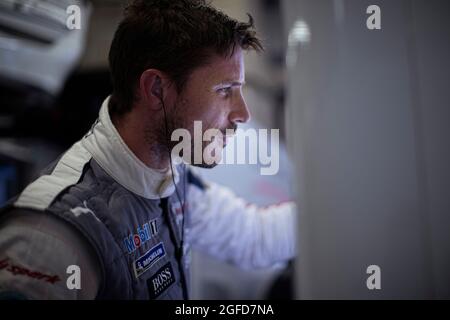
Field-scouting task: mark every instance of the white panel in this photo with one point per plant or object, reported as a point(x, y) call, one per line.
point(364, 152)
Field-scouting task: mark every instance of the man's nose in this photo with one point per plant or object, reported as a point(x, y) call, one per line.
point(240, 113)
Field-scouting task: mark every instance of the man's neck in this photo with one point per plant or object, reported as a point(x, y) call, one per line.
point(141, 142)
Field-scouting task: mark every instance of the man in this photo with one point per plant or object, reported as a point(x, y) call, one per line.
point(114, 204)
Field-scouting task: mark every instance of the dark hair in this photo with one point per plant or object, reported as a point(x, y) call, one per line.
point(174, 36)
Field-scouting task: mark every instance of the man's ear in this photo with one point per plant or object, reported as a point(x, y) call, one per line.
point(157, 89)
point(151, 85)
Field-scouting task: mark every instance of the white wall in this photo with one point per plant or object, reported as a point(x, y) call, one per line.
point(369, 125)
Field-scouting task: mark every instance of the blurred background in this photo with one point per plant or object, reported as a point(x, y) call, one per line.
point(363, 114)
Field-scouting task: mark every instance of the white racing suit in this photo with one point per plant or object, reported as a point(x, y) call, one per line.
point(100, 224)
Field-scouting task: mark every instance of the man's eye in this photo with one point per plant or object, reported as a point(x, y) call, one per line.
point(225, 91)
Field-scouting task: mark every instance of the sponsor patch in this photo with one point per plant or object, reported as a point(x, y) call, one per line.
point(160, 281)
point(144, 262)
point(29, 273)
point(143, 234)
point(177, 209)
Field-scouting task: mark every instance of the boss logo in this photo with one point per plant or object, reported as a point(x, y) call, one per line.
point(160, 281)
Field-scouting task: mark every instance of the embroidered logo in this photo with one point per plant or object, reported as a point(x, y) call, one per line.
point(142, 235)
point(17, 270)
point(144, 262)
point(160, 281)
point(78, 211)
point(177, 208)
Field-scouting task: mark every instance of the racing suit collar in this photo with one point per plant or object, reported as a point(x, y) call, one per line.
point(108, 149)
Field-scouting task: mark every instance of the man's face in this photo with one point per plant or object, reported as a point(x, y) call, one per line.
point(212, 95)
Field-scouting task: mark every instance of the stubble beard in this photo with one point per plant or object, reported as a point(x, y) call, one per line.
point(160, 142)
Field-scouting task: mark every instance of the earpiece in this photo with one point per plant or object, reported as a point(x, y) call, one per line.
point(157, 88)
